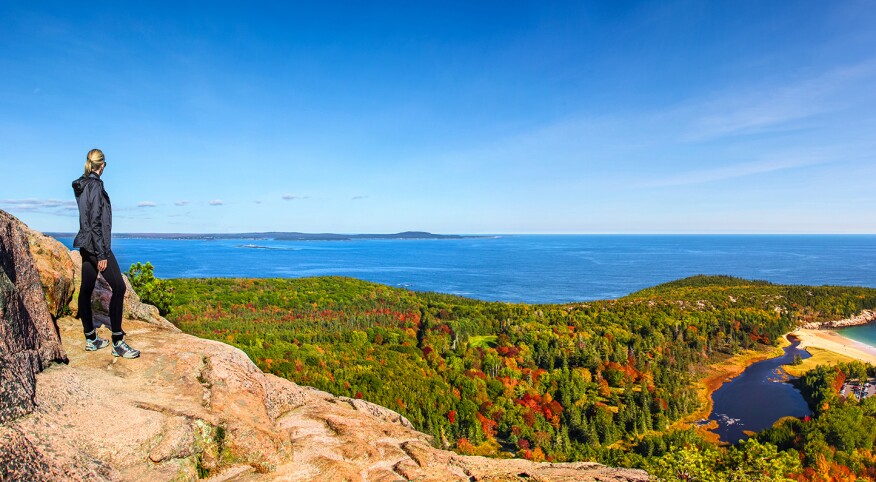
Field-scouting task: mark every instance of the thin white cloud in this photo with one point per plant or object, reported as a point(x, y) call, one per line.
point(37, 204)
point(54, 207)
point(181, 203)
point(292, 197)
point(733, 171)
point(783, 107)
point(146, 204)
point(601, 147)
point(356, 198)
point(216, 202)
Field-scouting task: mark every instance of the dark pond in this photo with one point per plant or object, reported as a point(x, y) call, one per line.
point(758, 397)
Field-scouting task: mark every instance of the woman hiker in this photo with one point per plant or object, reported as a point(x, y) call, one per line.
point(93, 241)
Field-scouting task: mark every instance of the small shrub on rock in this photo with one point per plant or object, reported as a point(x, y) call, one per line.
point(152, 290)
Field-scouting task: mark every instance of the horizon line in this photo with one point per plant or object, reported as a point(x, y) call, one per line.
point(592, 233)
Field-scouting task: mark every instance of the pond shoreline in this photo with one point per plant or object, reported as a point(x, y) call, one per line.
point(829, 346)
point(758, 397)
point(717, 375)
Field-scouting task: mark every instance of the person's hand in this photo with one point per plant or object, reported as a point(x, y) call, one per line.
point(101, 265)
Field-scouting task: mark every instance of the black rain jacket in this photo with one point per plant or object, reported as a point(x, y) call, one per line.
point(95, 216)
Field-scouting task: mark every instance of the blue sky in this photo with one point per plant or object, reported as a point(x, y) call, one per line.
point(469, 117)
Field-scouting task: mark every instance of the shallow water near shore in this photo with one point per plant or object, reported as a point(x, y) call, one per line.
point(520, 268)
point(758, 397)
point(863, 333)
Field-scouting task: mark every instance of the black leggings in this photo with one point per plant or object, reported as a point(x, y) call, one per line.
point(89, 277)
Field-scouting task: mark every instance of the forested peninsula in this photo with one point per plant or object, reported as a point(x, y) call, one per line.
point(616, 381)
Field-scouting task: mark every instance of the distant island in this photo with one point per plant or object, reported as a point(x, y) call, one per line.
point(280, 236)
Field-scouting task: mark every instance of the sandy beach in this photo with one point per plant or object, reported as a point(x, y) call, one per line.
point(833, 341)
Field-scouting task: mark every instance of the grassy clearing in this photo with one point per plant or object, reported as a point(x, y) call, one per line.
point(819, 356)
point(484, 341)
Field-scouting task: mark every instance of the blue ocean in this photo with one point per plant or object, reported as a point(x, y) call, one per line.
point(521, 268)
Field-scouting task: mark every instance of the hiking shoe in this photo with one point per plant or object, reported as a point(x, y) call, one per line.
point(123, 350)
point(96, 344)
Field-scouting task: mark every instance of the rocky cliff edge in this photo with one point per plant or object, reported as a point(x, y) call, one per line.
point(189, 408)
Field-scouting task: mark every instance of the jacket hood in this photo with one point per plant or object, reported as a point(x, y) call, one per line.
point(79, 184)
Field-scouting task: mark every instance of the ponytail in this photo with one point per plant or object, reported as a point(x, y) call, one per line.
point(93, 161)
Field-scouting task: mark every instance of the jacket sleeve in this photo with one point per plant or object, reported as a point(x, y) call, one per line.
point(95, 224)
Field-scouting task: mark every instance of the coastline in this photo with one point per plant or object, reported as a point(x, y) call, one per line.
point(823, 342)
point(830, 340)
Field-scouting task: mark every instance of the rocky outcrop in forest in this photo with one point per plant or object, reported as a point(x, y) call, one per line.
point(188, 408)
point(862, 318)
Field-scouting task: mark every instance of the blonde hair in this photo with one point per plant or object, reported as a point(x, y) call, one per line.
point(93, 161)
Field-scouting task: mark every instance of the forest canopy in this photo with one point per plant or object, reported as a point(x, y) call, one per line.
point(605, 380)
